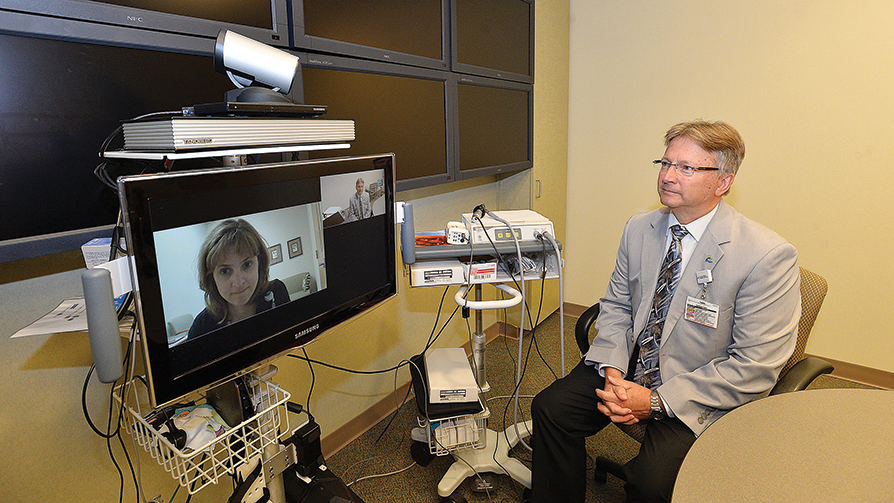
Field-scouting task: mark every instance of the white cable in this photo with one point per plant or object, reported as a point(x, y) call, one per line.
point(559, 265)
point(379, 475)
point(505, 397)
point(521, 327)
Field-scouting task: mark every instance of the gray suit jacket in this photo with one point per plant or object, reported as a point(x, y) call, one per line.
point(706, 372)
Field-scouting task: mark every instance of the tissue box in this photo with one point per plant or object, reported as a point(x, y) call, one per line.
point(96, 251)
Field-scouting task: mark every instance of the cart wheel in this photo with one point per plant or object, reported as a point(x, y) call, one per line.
point(421, 454)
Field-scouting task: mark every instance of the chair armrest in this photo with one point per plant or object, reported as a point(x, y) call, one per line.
point(582, 327)
point(801, 375)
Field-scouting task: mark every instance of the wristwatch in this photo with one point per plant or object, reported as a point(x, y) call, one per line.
point(656, 413)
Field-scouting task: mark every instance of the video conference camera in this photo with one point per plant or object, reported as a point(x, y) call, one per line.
point(261, 73)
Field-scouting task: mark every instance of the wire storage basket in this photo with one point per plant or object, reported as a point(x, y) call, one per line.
point(457, 433)
point(195, 468)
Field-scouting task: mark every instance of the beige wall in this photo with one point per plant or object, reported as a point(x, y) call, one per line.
point(52, 454)
point(551, 122)
point(810, 85)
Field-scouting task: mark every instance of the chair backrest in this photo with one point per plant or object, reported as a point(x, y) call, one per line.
point(813, 292)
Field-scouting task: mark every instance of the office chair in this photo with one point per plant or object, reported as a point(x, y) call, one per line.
point(796, 375)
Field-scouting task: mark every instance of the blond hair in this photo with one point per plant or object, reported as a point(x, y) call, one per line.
point(718, 138)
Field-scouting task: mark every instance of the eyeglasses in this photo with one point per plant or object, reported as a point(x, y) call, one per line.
point(681, 170)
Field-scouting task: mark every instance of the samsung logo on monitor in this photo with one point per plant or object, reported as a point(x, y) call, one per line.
point(307, 331)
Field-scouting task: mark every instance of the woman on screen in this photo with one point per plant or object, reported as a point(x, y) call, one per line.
point(234, 268)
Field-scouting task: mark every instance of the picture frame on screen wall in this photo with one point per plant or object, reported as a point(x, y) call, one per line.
point(294, 246)
point(275, 254)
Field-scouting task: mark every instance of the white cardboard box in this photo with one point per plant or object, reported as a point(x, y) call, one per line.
point(436, 272)
point(450, 377)
point(96, 251)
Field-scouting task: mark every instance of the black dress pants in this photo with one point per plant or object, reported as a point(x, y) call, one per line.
point(565, 414)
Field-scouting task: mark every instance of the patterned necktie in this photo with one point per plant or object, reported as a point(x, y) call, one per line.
point(647, 373)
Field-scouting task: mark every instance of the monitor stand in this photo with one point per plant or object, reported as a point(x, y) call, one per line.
point(293, 470)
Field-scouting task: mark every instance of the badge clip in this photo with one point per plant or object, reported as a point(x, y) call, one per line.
point(704, 278)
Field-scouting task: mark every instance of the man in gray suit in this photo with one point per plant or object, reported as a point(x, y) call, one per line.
point(716, 335)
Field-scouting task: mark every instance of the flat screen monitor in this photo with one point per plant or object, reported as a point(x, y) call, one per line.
point(413, 33)
point(234, 267)
point(495, 126)
point(263, 20)
point(59, 100)
point(393, 107)
point(493, 38)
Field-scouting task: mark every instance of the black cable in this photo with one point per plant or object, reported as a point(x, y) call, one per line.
point(430, 341)
point(125, 362)
point(109, 448)
point(101, 170)
point(532, 334)
point(540, 309)
point(121, 411)
point(133, 473)
point(525, 311)
point(534, 322)
point(109, 138)
point(84, 407)
point(312, 381)
point(534, 339)
point(109, 434)
point(382, 371)
point(343, 369)
point(524, 369)
point(516, 390)
point(176, 490)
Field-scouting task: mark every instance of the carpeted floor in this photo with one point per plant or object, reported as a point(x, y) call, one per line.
point(385, 448)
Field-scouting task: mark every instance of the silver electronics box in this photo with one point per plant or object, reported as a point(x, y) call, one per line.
point(176, 134)
point(526, 225)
